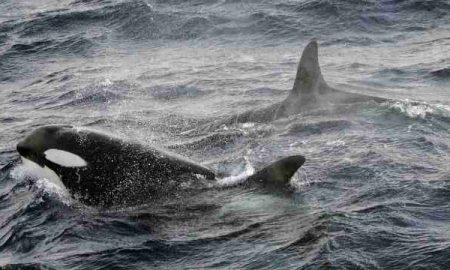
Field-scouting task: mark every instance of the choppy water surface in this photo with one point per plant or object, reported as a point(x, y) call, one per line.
point(373, 194)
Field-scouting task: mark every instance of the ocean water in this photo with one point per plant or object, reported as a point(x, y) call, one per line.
point(373, 194)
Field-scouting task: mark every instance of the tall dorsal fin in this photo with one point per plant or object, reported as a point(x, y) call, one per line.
point(310, 89)
point(309, 77)
point(308, 86)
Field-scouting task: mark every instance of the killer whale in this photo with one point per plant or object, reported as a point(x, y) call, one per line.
point(102, 170)
point(310, 91)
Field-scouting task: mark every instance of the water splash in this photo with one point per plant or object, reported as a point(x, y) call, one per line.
point(239, 178)
point(411, 109)
point(46, 181)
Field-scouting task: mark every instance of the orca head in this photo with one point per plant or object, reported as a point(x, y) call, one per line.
point(46, 147)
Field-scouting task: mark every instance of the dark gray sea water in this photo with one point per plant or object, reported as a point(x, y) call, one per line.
point(374, 192)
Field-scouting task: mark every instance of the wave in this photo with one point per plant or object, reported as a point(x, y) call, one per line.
point(145, 22)
point(355, 21)
point(28, 266)
point(319, 127)
point(418, 110)
point(439, 6)
point(99, 97)
point(264, 91)
point(17, 237)
point(170, 92)
point(441, 74)
point(73, 44)
point(406, 75)
point(103, 93)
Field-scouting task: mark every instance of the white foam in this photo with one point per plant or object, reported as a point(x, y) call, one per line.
point(47, 179)
point(300, 180)
point(236, 179)
point(106, 82)
point(335, 143)
point(248, 125)
point(413, 109)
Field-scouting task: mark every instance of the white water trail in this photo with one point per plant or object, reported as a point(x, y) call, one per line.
point(239, 178)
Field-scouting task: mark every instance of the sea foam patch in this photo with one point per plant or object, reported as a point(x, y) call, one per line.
point(47, 179)
point(239, 178)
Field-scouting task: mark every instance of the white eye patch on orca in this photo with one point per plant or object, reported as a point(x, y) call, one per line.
point(64, 158)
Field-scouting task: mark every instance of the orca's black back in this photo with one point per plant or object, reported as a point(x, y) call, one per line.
point(120, 172)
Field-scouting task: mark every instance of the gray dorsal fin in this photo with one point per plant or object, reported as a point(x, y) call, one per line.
point(309, 78)
point(277, 174)
point(308, 86)
point(310, 89)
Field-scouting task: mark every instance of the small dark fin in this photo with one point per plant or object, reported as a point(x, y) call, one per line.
point(277, 174)
point(309, 78)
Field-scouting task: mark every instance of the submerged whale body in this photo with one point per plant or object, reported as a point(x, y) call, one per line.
point(309, 92)
point(102, 170)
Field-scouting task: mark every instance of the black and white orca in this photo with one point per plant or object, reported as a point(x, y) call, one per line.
point(102, 170)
